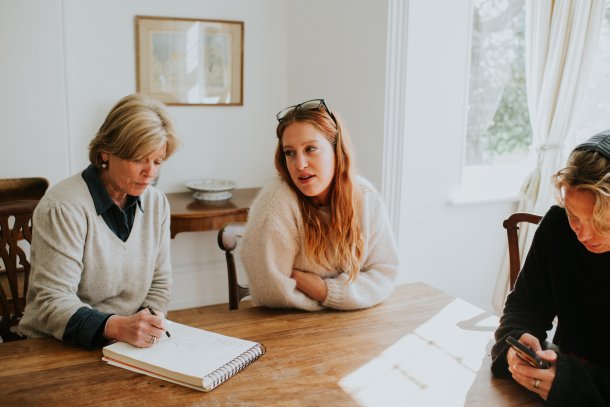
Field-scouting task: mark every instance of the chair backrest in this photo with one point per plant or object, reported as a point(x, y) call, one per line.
point(17, 189)
point(15, 226)
point(228, 236)
point(512, 226)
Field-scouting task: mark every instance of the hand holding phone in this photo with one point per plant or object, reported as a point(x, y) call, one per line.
point(527, 354)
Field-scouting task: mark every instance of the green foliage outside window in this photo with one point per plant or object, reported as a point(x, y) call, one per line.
point(497, 81)
point(510, 133)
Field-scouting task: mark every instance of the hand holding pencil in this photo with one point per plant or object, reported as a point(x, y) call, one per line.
point(152, 311)
point(142, 329)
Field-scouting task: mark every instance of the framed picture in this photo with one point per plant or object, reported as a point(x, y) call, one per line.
point(183, 61)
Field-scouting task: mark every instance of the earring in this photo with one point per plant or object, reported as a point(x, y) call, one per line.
point(104, 165)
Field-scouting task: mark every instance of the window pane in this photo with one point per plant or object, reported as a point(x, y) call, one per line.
point(498, 127)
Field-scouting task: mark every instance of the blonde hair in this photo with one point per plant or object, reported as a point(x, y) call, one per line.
point(337, 244)
point(134, 128)
point(588, 171)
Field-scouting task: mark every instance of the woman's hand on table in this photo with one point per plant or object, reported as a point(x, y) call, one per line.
point(141, 329)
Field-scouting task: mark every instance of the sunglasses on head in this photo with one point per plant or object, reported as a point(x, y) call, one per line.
point(309, 105)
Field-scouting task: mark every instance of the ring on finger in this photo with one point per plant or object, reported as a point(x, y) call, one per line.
point(153, 339)
point(537, 384)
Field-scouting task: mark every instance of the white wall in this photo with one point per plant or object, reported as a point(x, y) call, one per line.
point(65, 63)
point(337, 51)
point(32, 90)
point(458, 249)
point(101, 68)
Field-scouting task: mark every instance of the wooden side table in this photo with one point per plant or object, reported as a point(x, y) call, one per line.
point(191, 215)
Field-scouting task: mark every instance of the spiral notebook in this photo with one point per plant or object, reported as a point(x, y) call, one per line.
point(191, 357)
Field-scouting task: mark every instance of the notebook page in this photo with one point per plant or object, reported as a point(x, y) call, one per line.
point(189, 351)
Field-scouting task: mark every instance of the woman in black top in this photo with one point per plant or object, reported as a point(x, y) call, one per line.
point(566, 275)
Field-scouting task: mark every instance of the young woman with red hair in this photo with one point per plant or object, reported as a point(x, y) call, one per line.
point(317, 236)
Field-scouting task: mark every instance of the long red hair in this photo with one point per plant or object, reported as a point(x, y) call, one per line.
point(336, 244)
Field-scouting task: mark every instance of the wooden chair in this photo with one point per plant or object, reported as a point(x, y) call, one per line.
point(15, 226)
point(228, 236)
point(17, 189)
point(512, 226)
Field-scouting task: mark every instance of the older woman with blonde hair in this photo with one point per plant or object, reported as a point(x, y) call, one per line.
point(317, 236)
point(566, 276)
point(100, 243)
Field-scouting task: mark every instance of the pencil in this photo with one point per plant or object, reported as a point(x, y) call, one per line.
point(153, 313)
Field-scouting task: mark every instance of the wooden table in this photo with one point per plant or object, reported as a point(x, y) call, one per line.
point(191, 215)
point(420, 347)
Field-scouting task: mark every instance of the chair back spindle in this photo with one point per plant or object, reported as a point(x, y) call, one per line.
point(15, 230)
point(512, 227)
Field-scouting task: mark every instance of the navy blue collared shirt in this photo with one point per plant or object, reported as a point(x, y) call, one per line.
point(86, 326)
point(120, 221)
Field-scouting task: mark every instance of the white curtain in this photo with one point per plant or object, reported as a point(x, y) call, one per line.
point(561, 37)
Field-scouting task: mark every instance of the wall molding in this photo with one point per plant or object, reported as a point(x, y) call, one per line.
point(395, 106)
point(64, 53)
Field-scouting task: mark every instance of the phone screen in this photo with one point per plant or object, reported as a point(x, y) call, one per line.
point(527, 354)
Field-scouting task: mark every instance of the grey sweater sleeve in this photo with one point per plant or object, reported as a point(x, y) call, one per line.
point(57, 253)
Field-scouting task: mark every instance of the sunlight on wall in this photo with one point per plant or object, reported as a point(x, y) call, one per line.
point(434, 365)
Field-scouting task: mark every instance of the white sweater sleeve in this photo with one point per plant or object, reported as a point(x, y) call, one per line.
point(268, 250)
point(375, 282)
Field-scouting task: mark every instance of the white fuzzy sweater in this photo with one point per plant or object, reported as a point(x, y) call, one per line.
point(77, 261)
point(273, 246)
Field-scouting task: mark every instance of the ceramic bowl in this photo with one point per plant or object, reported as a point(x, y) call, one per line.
point(211, 189)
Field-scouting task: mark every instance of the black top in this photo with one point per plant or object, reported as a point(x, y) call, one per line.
point(86, 326)
point(562, 278)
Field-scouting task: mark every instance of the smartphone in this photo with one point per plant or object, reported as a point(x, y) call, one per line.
point(527, 354)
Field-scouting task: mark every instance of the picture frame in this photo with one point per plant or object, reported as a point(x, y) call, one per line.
point(185, 61)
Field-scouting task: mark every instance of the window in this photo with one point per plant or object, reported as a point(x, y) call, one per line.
point(498, 129)
point(497, 153)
